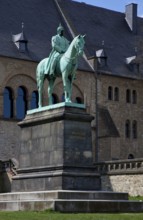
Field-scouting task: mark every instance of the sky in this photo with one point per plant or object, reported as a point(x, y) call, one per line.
point(115, 5)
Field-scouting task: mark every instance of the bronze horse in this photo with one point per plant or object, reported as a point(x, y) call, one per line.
point(66, 68)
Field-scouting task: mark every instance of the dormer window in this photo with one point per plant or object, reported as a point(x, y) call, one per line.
point(132, 63)
point(101, 57)
point(20, 40)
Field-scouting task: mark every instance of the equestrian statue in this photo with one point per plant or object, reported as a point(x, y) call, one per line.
point(62, 62)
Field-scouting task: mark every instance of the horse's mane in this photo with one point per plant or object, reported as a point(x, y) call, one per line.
point(71, 44)
point(73, 41)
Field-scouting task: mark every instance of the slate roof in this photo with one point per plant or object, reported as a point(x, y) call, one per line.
point(41, 18)
point(101, 24)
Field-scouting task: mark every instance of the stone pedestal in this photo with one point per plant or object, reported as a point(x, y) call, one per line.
point(56, 151)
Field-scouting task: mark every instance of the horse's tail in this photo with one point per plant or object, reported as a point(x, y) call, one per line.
point(40, 73)
point(39, 68)
point(42, 66)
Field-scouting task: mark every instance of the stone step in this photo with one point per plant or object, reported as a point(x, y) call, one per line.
point(92, 195)
point(69, 201)
point(30, 205)
point(98, 206)
point(31, 196)
point(74, 206)
point(63, 194)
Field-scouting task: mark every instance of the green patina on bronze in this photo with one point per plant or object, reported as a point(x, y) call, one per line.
point(62, 62)
point(58, 105)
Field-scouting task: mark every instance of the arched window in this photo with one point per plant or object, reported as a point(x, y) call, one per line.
point(130, 156)
point(134, 129)
point(128, 96)
point(116, 94)
point(78, 100)
point(21, 103)
point(127, 129)
point(34, 100)
point(54, 99)
point(7, 103)
point(110, 93)
point(134, 97)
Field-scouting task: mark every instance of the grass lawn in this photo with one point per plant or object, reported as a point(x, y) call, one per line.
point(46, 215)
point(140, 198)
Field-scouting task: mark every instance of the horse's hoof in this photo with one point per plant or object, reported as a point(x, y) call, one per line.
point(69, 101)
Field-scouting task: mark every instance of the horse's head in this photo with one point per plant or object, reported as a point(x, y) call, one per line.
point(79, 44)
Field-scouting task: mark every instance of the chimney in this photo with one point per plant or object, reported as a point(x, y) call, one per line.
point(131, 17)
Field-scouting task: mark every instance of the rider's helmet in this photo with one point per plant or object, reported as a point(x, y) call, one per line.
point(60, 29)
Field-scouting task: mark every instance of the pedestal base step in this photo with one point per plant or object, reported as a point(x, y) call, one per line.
point(63, 194)
point(98, 206)
point(69, 202)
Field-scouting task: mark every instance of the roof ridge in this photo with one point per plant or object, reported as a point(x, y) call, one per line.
point(68, 22)
point(99, 7)
point(71, 27)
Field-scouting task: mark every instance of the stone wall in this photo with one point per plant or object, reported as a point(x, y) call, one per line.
point(120, 111)
point(9, 139)
point(132, 183)
point(122, 176)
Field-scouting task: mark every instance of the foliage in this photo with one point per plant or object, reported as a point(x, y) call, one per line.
point(138, 198)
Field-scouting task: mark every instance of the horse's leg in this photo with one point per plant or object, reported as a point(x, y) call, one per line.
point(50, 90)
point(65, 85)
point(40, 88)
point(70, 81)
point(71, 78)
point(70, 90)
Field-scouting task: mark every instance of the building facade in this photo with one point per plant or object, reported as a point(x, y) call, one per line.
point(111, 89)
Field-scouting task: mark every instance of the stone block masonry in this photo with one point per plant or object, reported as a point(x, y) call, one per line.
point(122, 176)
point(132, 184)
point(56, 151)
